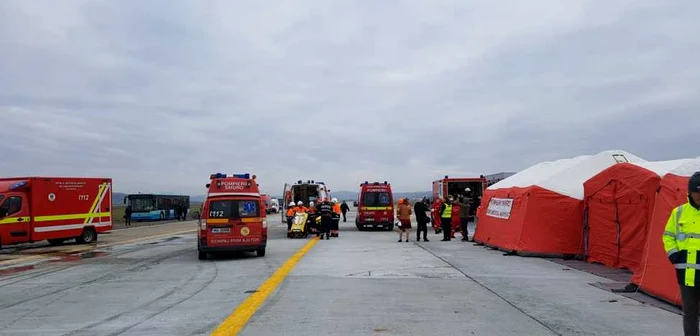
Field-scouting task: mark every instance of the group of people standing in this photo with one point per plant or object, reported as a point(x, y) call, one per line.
point(452, 212)
point(328, 211)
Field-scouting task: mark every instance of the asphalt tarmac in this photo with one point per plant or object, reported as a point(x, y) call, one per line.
point(362, 283)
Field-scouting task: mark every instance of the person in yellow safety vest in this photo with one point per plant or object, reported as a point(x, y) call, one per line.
point(291, 211)
point(335, 224)
point(446, 218)
point(682, 244)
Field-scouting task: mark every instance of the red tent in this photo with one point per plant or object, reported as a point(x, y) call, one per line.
point(539, 211)
point(655, 275)
point(619, 203)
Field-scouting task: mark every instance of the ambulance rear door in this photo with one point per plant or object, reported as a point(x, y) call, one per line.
point(285, 202)
point(236, 221)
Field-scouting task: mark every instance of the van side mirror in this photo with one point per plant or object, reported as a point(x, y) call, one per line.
point(3, 212)
point(208, 185)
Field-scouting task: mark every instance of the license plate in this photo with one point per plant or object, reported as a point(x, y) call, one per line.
point(221, 230)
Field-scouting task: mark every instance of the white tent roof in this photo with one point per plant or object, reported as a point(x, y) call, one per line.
point(682, 167)
point(567, 176)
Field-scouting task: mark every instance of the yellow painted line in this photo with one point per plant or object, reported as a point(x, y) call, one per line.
point(85, 248)
point(233, 324)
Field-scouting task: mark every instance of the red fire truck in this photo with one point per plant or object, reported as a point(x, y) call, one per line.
point(54, 209)
point(456, 186)
point(233, 216)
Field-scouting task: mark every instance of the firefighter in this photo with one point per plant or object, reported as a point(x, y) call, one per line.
point(454, 222)
point(326, 211)
point(291, 211)
point(435, 211)
point(446, 218)
point(335, 224)
point(682, 244)
point(300, 207)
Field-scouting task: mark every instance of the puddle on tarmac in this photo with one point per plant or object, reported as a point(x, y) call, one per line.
point(81, 256)
point(13, 270)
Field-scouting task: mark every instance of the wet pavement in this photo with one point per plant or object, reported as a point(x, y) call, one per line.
point(362, 283)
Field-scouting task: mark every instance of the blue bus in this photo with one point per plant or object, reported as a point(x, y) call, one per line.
point(156, 207)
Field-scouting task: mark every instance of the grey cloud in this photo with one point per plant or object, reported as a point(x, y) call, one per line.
point(160, 94)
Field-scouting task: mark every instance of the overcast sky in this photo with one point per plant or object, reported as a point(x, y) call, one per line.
point(159, 94)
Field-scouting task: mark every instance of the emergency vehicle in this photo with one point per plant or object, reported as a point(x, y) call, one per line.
point(233, 216)
point(54, 209)
point(456, 186)
point(375, 207)
point(304, 192)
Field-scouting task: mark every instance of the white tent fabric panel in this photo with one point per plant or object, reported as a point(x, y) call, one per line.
point(567, 176)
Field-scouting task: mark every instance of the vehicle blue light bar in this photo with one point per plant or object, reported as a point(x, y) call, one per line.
point(243, 176)
point(18, 185)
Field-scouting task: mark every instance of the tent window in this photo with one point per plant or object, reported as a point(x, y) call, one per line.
point(619, 158)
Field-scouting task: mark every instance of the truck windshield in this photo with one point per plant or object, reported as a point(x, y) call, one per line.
point(234, 209)
point(376, 199)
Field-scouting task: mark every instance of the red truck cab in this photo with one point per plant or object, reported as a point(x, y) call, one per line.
point(233, 216)
point(54, 209)
point(375, 207)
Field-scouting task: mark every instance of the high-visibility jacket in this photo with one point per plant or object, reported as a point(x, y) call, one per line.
point(447, 213)
point(336, 208)
point(291, 212)
point(682, 234)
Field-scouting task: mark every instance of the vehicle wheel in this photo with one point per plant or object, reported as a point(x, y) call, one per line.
point(88, 236)
point(261, 252)
point(389, 228)
point(56, 241)
point(202, 255)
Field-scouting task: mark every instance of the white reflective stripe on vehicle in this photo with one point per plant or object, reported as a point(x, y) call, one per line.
point(234, 194)
point(69, 227)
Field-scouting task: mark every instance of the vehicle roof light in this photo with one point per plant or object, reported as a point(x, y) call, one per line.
point(243, 176)
point(18, 185)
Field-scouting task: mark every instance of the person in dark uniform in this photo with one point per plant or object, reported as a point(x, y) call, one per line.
point(326, 211)
point(421, 209)
point(464, 202)
point(344, 208)
point(127, 215)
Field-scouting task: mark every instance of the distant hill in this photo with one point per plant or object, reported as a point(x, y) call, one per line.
point(118, 197)
point(352, 196)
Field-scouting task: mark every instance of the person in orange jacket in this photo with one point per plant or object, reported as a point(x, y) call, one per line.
point(335, 225)
point(291, 212)
point(455, 223)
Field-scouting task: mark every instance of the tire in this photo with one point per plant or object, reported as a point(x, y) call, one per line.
point(389, 228)
point(88, 236)
point(260, 252)
point(56, 241)
point(202, 255)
